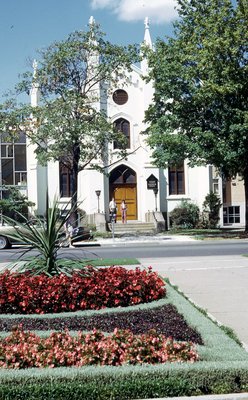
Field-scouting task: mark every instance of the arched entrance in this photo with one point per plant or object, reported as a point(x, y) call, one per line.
point(123, 186)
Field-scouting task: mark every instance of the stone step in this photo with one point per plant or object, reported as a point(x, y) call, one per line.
point(133, 227)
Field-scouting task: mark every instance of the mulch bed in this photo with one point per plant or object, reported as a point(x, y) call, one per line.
point(164, 319)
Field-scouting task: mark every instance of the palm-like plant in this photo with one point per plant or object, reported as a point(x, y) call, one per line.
point(45, 237)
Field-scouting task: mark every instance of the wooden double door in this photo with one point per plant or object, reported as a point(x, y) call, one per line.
point(129, 194)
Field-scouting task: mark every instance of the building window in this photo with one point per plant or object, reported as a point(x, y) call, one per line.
point(176, 180)
point(216, 186)
point(7, 150)
point(120, 97)
point(122, 125)
point(13, 161)
point(65, 177)
point(7, 171)
point(231, 215)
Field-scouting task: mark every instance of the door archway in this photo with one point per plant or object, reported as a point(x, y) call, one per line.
point(123, 186)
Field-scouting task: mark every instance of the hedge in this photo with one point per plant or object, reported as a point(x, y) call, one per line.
point(127, 382)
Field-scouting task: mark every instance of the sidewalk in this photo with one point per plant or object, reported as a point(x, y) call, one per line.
point(131, 239)
point(218, 284)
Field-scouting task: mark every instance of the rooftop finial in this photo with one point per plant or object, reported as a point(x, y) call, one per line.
point(91, 20)
point(146, 22)
point(147, 37)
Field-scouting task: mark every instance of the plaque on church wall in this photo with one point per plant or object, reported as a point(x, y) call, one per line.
point(152, 182)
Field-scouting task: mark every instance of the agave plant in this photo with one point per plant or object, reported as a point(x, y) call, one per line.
point(45, 237)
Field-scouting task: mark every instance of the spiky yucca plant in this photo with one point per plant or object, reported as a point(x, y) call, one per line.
point(45, 237)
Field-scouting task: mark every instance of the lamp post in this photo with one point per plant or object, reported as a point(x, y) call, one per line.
point(98, 192)
point(155, 191)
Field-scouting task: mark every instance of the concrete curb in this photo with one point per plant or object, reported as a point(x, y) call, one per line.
point(230, 396)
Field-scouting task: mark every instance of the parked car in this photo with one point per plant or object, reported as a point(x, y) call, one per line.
point(6, 231)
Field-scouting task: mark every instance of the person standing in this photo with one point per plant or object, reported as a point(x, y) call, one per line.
point(113, 209)
point(123, 212)
point(68, 227)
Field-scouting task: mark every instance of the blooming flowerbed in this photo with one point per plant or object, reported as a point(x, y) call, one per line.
point(164, 319)
point(25, 349)
point(91, 289)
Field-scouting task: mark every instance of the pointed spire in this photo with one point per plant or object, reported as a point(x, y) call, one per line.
point(146, 42)
point(35, 67)
point(34, 91)
point(147, 36)
point(92, 21)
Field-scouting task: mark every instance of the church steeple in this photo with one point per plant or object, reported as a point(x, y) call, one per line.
point(148, 43)
point(34, 92)
point(147, 36)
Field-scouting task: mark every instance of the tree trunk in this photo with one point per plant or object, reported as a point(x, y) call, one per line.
point(246, 198)
point(74, 198)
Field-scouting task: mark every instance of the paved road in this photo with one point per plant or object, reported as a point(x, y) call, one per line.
point(146, 249)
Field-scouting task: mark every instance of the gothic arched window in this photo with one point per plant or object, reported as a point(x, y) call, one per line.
point(123, 126)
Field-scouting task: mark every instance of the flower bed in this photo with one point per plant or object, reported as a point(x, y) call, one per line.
point(91, 289)
point(24, 349)
point(163, 318)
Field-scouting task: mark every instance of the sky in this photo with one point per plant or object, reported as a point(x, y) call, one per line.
point(29, 25)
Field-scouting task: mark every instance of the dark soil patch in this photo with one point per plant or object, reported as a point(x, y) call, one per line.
point(164, 319)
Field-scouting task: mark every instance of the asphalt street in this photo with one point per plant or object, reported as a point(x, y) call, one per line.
point(144, 247)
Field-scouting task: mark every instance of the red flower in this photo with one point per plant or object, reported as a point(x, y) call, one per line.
point(104, 287)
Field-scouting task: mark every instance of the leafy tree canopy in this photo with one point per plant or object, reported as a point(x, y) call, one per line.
point(200, 109)
point(72, 76)
point(70, 124)
point(14, 203)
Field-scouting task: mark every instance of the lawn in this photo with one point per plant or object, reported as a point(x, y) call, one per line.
point(204, 234)
point(101, 262)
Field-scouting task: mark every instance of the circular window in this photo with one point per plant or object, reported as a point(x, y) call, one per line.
point(120, 97)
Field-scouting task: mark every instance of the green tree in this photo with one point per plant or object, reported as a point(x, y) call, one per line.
point(70, 122)
point(212, 205)
point(14, 204)
point(201, 87)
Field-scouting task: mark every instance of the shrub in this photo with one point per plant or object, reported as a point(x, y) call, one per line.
point(211, 206)
point(24, 349)
point(186, 215)
point(91, 289)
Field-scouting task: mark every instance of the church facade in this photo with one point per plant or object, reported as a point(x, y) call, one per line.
point(145, 188)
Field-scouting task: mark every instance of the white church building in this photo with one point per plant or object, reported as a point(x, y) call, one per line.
point(151, 193)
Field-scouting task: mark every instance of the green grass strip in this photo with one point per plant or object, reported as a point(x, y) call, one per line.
point(105, 262)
